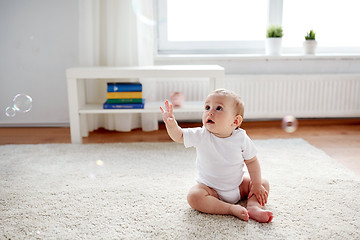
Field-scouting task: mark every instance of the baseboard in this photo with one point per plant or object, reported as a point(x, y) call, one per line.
point(19, 125)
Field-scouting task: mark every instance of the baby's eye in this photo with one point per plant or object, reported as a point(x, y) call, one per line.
point(207, 107)
point(218, 108)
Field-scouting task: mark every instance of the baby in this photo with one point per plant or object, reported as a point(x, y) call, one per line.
point(222, 149)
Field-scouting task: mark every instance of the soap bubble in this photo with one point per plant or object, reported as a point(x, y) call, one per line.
point(22, 103)
point(289, 124)
point(99, 162)
point(95, 169)
point(10, 112)
point(143, 13)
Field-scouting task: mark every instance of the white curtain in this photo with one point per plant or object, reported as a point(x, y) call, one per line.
point(116, 33)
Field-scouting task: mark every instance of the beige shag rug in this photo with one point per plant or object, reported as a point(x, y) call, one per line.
point(138, 191)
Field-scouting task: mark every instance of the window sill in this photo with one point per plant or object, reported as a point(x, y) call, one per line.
point(256, 57)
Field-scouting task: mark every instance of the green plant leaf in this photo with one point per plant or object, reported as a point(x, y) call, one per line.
point(274, 31)
point(310, 35)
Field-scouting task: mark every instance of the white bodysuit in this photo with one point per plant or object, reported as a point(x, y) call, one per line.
point(220, 161)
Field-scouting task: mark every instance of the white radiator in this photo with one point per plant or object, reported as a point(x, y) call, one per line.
point(275, 96)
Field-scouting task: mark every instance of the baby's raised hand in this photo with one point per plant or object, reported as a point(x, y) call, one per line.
point(260, 193)
point(167, 114)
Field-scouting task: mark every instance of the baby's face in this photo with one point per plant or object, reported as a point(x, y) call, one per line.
point(219, 115)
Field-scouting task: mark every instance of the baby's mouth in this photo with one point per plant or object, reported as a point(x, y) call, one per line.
point(210, 121)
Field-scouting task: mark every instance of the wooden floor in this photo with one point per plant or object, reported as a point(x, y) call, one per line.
point(339, 138)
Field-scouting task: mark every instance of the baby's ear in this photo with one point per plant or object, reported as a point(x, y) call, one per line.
point(238, 120)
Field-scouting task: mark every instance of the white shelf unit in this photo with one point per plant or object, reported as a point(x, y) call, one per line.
point(76, 88)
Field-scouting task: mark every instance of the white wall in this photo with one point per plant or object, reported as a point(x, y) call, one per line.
point(39, 40)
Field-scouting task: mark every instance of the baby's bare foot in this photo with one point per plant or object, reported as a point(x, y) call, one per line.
point(260, 215)
point(240, 212)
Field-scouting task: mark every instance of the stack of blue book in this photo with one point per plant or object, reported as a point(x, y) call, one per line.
point(124, 95)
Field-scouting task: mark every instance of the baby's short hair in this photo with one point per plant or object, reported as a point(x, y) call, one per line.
point(238, 102)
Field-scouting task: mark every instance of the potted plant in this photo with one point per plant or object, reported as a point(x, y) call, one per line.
point(274, 34)
point(310, 44)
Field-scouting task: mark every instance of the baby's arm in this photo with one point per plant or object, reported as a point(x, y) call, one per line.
point(172, 127)
point(257, 188)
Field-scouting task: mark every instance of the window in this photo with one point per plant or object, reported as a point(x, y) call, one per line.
point(335, 23)
point(239, 26)
point(201, 26)
point(218, 21)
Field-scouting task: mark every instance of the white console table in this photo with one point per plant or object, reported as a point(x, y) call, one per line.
point(76, 88)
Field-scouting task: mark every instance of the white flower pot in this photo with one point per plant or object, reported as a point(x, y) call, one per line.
point(273, 46)
point(309, 47)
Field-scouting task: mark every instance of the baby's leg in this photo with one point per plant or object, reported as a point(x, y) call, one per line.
point(254, 208)
point(205, 199)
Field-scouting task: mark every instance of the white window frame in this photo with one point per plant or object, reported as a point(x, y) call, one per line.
point(275, 8)
point(214, 47)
